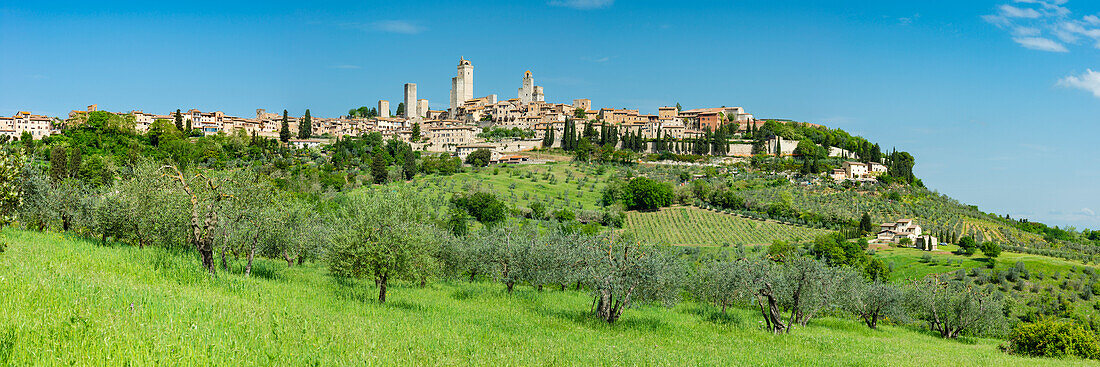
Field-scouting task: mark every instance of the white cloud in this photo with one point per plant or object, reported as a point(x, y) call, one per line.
point(1014, 12)
point(1089, 81)
point(1087, 212)
point(1026, 32)
point(397, 26)
point(1041, 44)
point(583, 4)
point(1045, 25)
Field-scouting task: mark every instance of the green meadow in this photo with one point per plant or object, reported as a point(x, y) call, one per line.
point(68, 301)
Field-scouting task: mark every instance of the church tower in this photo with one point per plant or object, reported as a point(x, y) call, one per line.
point(462, 85)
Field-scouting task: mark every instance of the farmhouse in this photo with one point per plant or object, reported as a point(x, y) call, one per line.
point(896, 231)
point(858, 171)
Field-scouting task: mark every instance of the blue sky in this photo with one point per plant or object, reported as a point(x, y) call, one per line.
point(998, 100)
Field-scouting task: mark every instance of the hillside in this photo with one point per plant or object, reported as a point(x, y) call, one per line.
point(68, 301)
point(937, 213)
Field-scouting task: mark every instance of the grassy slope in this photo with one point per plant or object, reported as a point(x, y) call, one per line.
point(536, 188)
point(69, 302)
point(694, 226)
point(908, 264)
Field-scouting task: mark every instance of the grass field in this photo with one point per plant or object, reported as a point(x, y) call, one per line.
point(699, 227)
point(69, 302)
point(557, 185)
point(1047, 274)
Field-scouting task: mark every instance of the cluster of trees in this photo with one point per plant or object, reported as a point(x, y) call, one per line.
point(720, 195)
point(363, 112)
point(236, 212)
point(803, 288)
point(640, 193)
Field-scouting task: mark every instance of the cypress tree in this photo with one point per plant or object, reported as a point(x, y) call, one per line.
point(410, 165)
point(305, 126)
point(378, 169)
point(284, 129)
point(179, 120)
point(552, 137)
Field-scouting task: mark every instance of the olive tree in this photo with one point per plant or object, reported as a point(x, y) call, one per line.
point(801, 286)
point(808, 287)
point(252, 220)
point(952, 308)
point(723, 283)
point(36, 211)
point(382, 234)
point(872, 301)
point(71, 198)
point(623, 272)
point(109, 216)
point(155, 214)
point(461, 256)
point(500, 253)
point(208, 197)
point(11, 195)
point(304, 232)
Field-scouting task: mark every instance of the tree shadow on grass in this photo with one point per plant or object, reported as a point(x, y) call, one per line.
point(713, 314)
point(360, 291)
point(587, 319)
point(406, 305)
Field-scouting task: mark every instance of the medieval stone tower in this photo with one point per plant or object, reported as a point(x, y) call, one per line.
point(410, 101)
point(528, 91)
point(462, 85)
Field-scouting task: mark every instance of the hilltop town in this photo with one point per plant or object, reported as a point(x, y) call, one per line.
point(453, 130)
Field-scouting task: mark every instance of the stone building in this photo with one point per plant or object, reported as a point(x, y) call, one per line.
point(582, 103)
point(410, 101)
point(421, 108)
point(383, 108)
point(39, 126)
point(528, 91)
point(462, 85)
point(896, 231)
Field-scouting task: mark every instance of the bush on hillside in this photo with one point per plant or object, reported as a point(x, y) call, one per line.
point(644, 194)
point(1052, 338)
point(483, 206)
point(479, 158)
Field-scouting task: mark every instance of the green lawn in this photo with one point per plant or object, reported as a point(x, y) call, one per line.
point(699, 227)
point(579, 186)
point(908, 262)
point(70, 302)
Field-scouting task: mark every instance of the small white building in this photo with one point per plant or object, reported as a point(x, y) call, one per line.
point(859, 171)
point(464, 150)
point(306, 143)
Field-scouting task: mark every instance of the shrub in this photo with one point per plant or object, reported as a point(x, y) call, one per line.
point(479, 158)
point(483, 206)
point(644, 194)
point(1052, 338)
